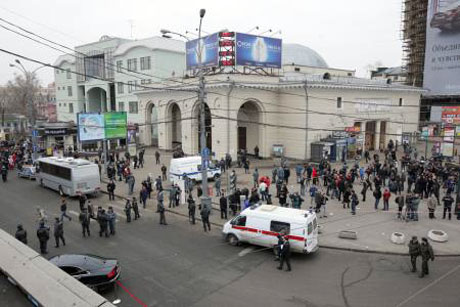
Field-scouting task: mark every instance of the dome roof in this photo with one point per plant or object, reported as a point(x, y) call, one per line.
point(302, 55)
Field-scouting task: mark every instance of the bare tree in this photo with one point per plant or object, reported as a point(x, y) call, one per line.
point(21, 94)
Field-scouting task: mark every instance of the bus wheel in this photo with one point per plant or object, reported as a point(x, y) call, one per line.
point(233, 240)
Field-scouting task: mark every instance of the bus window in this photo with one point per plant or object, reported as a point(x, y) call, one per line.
point(310, 228)
point(276, 226)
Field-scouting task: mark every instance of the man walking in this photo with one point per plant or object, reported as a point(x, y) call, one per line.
point(447, 200)
point(102, 220)
point(131, 182)
point(285, 254)
point(161, 210)
point(21, 234)
point(223, 206)
point(59, 232)
point(128, 208)
point(191, 209)
point(163, 172)
point(157, 157)
point(426, 251)
point(111, 190)
point(414, 252)
point(43, 234)
point(205, 218)
point(64, 210)
point(85, 219)
point(136, 209)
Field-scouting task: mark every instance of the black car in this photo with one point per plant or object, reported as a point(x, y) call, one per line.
point(94, 271)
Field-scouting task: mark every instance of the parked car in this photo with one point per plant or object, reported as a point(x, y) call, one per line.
point(94, 271)
point(28, 171)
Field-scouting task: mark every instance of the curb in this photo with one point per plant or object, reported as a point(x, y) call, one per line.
point(347, 249)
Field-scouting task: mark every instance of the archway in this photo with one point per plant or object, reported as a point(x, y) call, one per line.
point(97, 100)
point(248, 128)
point(151, 129)
point(174, 124)
point(197, 126)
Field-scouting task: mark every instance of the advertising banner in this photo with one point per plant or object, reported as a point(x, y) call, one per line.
point(90, 126)
point(115, 124)
point(259, 51)
point(209, 49)
point(442, 54)
point(450, 115)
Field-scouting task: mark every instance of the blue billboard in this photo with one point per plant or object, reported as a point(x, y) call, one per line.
point(209, 52)
point(253, 50)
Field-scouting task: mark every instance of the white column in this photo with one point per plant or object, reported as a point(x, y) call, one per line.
point(377, 135)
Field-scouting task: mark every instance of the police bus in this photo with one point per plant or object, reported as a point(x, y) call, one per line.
point(72, 176)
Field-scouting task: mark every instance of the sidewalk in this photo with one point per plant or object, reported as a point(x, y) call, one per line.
point(374, 228)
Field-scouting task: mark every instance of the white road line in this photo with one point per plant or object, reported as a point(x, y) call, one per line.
point(246, 251)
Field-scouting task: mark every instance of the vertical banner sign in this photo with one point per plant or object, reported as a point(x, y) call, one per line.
point(115, 124)
point(208, 46)
point(259, 51)
point(90, 126)
point(442, 54)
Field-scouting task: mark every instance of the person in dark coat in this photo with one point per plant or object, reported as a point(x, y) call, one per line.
point(191, 208)
point(102, 220)
point(21, 234)
point(205, 212)
point(43, 234)
point(111, 218)
point(85, 219)
point(414, 252)
point(285, 254)
point(59, 232)
point(111, 189)
point(161, 210)
point(426, 251)
point(128, 208)
point(135, 209)
point(223, 206)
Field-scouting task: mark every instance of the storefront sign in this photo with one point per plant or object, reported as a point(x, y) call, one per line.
point(353, 129)
point(56, 131)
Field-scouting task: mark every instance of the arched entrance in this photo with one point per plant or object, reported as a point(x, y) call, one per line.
point(207, 124)
point(174, 124)
point(151, 129)
point(97, 100)
point(248, 128)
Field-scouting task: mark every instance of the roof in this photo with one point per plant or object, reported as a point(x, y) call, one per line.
point(302, 55)
point(156, 42)
point(64, 58)
point(269, 211)
point(69, 162)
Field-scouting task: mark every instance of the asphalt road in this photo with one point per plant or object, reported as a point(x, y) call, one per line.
point(180, 265)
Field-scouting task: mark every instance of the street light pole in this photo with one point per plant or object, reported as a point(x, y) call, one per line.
point(205, 199)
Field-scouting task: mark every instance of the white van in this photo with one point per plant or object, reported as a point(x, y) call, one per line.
point(190, 166)
point(261, 224)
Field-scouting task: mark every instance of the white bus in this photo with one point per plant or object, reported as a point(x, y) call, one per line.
point(73, 176)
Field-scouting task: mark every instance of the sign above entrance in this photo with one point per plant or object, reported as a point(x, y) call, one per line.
point(353, 129)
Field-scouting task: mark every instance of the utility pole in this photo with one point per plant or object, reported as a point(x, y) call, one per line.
point(205, 199)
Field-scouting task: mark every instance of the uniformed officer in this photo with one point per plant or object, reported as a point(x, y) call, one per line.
point(43, 234)
point(426, 251)
point(285, 254)
point(85, 219)
point(59, 232)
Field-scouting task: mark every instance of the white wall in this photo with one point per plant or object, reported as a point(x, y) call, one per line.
point(62, 98)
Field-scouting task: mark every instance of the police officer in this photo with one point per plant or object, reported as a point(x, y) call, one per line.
point(223, 206)
point(128, 208)
point(112, 217)
point(21, 234)
point(102, 220)
point(135, 209)
point(414, 252)
point(285, 254)
point(58, 231)
point(85, 219)
point(111, 189)
point(191, 208)
point(426, 251)
point(43, 234)
point(205, 218)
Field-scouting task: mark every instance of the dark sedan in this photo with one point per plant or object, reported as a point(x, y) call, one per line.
point(94, 271)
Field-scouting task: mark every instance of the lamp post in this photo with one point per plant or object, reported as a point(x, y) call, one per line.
point(165, 33)
point(30, 103)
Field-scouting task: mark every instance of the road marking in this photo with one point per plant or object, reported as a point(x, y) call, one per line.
point(428, 286)
point(246, 251)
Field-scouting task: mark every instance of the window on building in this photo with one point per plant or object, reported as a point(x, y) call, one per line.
point(130, 86)
point(69, 74)
point(339, 103)
point(120, 87)
point(401, 102)
point(121, 106)
point(119, 66)
point(69, 91)
point(296, 69)
point(132, 64)
point(133, 107)
point(135, 85)
point(70, 107)
point(145, 63)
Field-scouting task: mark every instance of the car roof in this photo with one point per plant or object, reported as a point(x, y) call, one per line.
point(279, 213)
point(84, 261)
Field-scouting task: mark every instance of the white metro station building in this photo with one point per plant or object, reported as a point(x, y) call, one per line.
point(306, 102)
